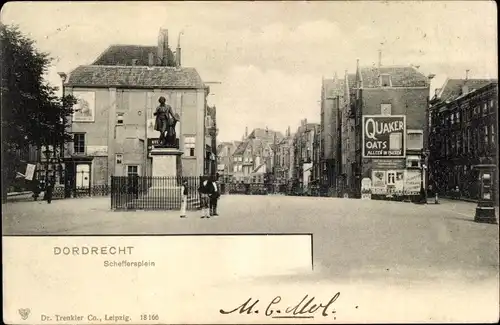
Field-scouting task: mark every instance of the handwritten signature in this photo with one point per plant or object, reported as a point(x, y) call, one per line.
point(306, 308)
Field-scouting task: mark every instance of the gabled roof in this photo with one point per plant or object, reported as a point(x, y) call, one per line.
point(259, 133)
point(452, 88)
point(135, 76)
point(240, 149)
point(333, 88)
point(124, 54)
point(401, 76)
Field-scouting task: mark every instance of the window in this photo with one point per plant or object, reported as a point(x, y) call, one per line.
point(189, 145)
point(119, 158)
point(122, 100)
point(385, 109)
point(492, 103)
point(412, 161)
point(492, 134)
point(468, 140)
point(119, 118)
point(235, 168)
point(385, 80)
point(415, 139)
point(132, 170)
point(485, 107)
point(458, 143)
point(79, 143)
point(486, 137)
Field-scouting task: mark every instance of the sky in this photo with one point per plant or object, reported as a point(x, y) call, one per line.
point(270, 57)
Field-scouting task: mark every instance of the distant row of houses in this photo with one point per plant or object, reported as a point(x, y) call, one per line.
point(380, 131)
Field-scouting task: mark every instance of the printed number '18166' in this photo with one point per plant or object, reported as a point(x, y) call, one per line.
point(150, 317)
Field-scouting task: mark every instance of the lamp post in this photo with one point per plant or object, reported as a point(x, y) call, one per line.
point(67, 193)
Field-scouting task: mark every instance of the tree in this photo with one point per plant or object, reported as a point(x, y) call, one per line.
point(31, 112)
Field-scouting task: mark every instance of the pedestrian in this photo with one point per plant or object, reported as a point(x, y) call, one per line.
point(205, 190)
point(49, 189)
point(184, 198)
point(214, 196)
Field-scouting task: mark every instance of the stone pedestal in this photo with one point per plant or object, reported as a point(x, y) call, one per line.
point(164, 172)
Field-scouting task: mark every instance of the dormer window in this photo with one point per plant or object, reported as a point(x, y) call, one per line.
point(385, 80)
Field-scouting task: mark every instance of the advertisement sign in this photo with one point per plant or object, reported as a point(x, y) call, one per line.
point(30, 172)
point(97, 151)
point(412, 182)
point(366, 186)
point(379, 185)
point(384, 136)
point(84, 109)
point(388, 163)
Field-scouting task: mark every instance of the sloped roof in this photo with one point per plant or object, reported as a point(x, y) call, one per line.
point(124, 54)
point(333, 88)
point(135, 76)
point(400, 76)
point(241, 147)
point(452, 88)
point(259, 168)
point(259, 133)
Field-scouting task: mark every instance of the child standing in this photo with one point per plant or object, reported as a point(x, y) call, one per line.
point(184, 198)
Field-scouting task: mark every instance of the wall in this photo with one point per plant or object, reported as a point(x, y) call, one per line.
point(411, 102)
point(128, 138)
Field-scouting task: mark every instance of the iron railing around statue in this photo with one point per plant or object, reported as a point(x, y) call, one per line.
point(153, 193)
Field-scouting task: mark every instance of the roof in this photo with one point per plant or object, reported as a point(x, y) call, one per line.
point(401, 76)
point(265, 134)
point(135, 76)
point(333, 88)
point(452, 88)
point(124, 54)
point(241, 147)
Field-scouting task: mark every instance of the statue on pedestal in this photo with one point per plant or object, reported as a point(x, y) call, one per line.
point(165, 123)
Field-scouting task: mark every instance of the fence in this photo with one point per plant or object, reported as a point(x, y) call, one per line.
point(153, 193)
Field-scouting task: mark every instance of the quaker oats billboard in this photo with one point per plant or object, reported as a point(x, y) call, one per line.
point(384, 136)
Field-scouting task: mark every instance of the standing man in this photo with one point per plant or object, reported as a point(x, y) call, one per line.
point(214, 197)
point(205, 190)
point(49, 190)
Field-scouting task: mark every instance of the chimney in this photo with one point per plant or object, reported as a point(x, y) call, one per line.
point(178, 52)
point(246, 132)
point(465, 86)
point(379, 58)
point(163, 47)
point(151, 61)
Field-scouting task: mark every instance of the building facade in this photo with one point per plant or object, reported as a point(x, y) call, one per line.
point(332, 99)
point(113, 123)
point(285, 160)
point(390, 104)
point(463, 133)
point(303, 155)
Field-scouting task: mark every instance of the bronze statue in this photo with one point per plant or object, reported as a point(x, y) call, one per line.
point(165, 123)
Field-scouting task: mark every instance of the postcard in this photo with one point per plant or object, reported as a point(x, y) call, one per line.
point(238, 162)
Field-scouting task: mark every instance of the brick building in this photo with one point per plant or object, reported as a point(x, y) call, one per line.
point(386, 92)
point(347, 150)
point(303, 143)
point(225, 151)
point(332, 98)
point(254, 156)
point(285, 159)
point(113, 122)
point(463, 133)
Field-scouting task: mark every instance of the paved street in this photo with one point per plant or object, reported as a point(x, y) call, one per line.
point(353, 239)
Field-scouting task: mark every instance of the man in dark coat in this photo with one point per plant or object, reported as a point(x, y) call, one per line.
point(215, 195)
point(49, 189)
